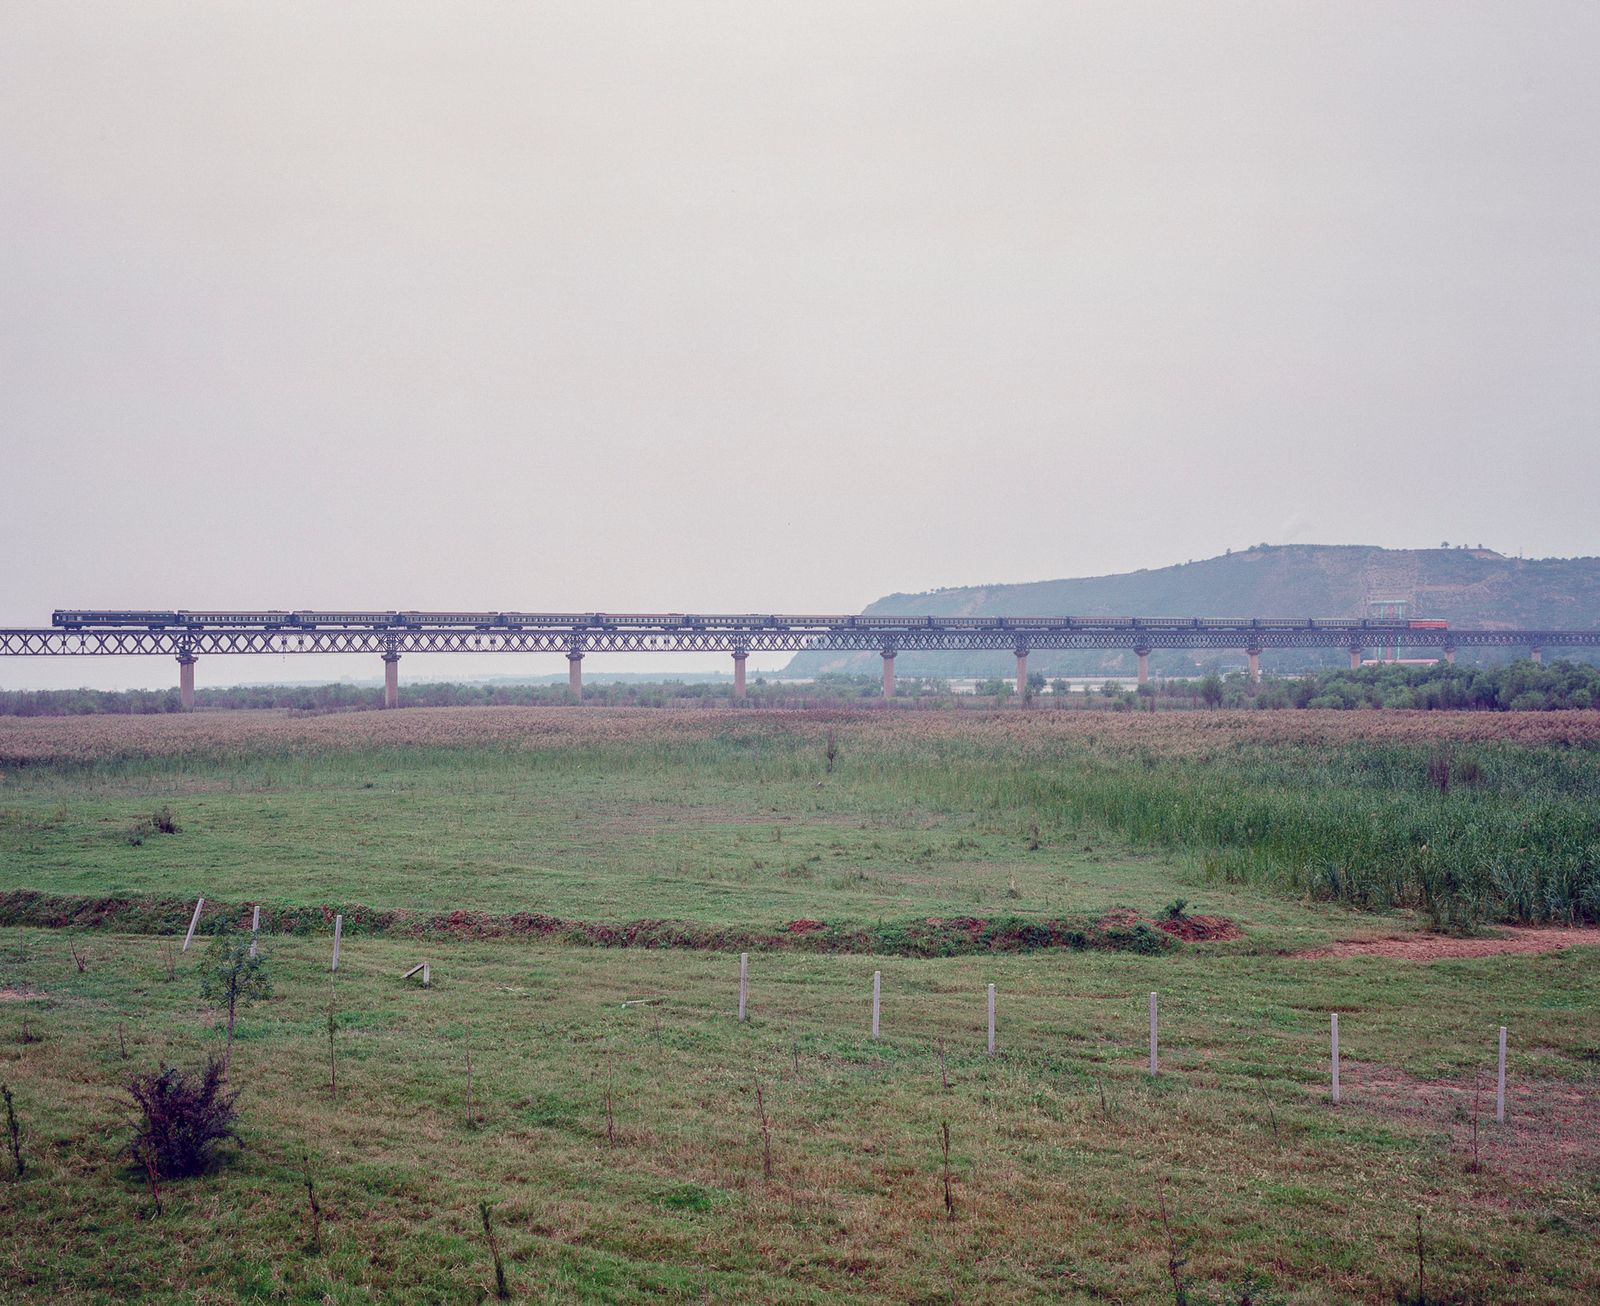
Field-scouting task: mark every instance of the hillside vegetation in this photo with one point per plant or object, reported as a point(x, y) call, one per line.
point(1467, 587)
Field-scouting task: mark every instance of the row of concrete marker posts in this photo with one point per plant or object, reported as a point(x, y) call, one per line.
point(1155, 1033)
point(877, 1002)
point(421, 968)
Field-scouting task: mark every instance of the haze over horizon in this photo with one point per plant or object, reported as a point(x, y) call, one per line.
point(732, 307)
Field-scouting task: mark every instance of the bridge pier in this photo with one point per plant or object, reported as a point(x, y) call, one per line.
point(1355, 657)
point(739, 655)
point(1255, 665)
point(1022, 676)
point(1144, 665)
point(1536, 654)
point(391, 679)
point(888, 673)
point(1449, 657)
point(186, 663)
point(575, 674)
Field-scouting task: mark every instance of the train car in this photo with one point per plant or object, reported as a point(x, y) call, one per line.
point(474, 620)
point(363, 619)
point(895, 622)
point(731, 620)
point(543, 620)
point(1429, 625)
point(638, 620)
point(271, 620)
point(1031, 623)
point(78, 618)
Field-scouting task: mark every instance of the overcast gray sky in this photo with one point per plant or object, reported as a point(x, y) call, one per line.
point(782, 307)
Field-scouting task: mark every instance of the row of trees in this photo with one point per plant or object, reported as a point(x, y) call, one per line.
point(1524, 686)
point(1520, 686)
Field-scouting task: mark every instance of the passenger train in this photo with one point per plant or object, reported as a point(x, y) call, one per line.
point(77, 619)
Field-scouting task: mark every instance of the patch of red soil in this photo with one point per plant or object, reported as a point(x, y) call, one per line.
point(1441, 947)
point(1199, 929)
point(804, 926)
point(17, 995)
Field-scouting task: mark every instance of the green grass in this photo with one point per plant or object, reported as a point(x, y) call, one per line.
point(1056, 1195)
point(1052, 1200)
point(586, 834)
point(743, 827)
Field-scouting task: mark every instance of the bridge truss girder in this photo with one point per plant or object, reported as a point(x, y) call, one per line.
point(204, 642)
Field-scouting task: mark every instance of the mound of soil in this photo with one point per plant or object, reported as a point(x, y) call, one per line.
point(1442, 947)
point(1119, 930)
point(1199, 929)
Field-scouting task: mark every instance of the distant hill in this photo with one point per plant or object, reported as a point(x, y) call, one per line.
point(1467, 587)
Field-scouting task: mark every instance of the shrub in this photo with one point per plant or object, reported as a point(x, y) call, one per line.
point(184, 1115)
point(160, 821)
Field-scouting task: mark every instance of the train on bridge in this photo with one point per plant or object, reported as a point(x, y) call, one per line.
point(82, 619)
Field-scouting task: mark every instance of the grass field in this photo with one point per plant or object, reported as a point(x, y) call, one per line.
point(1063, 1147)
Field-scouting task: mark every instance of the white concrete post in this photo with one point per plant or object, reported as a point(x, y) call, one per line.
point(991, 1020)
point(877, 984)
point(1336, 1058)
point(744, 981)
point(1500, 1082)
point(1154, 1060)
point(255, 928)
point(199, 904)
point(338, 929)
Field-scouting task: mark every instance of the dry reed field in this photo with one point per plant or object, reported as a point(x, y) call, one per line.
point(28, 741)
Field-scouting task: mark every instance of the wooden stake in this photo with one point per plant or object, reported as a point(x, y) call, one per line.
point(199, 904)
point(1500, 1082)
point(877, 984)
point(255, 928)
point(338, 929)
point(991, 1020)
point(1336, 1058)
point(1154, 1058)
point(744, 982)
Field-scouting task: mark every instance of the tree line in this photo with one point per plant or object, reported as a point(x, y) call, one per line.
point(1524, 686)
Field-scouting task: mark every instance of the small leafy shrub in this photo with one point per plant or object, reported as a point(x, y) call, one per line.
point(160, 821)
point(184, 1115)
point(1173, 911)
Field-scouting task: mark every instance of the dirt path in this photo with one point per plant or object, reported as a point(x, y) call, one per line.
point(1439, 947)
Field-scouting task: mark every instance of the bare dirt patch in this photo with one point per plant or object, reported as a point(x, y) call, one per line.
point(1442, 947)
point(18, 995)
point(1548, 1133)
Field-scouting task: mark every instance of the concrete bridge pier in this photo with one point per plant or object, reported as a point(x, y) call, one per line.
point(575, 674)
point(186, 663)
point(1355, 657)
point(1144, 665)
point(888, 673)
point(391, 679)
point(739, 655)
point(1022, 676)
point(1449, 657)
point(1535, 655)
point(1255, 665)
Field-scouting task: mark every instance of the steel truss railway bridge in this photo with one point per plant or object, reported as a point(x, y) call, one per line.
point(740, 636)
